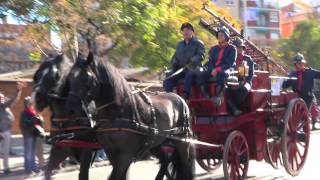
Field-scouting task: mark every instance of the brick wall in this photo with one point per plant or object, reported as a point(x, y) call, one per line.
point(9, 89)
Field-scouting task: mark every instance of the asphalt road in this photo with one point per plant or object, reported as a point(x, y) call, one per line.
point(146, 170)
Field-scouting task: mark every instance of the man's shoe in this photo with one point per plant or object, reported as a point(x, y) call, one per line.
point(236, 112)
point(7, 171)
point(217, 100)
point(314, 127)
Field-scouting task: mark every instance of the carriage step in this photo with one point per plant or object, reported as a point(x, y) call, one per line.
point(78, 144)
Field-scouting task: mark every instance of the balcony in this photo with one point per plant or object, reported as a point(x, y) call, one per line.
point(270, 25)
point(261, 4)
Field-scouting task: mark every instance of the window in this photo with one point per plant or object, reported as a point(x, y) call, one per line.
point(274, 18)
point(274, 35)
point(229, 2)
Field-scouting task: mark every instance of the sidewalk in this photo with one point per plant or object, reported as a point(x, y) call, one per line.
point(16, 162)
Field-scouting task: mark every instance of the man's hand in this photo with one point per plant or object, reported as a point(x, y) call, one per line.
point(21, 85)
point(214, 73)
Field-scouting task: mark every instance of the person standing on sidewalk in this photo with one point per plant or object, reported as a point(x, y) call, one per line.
point(30, 121)
point(6, 120)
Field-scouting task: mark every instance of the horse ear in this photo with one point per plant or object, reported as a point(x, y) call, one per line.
point(90, 58)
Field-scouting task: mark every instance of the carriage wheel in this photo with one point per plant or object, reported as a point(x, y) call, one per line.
point(295, 137)
point(273, 150)
point(171, 172)
point(209, 164)
point(236, 156)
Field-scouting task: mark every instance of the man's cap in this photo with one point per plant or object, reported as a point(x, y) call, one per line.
point(299, 58)
point(225, 31)
point(187, 25)
point(238, 42)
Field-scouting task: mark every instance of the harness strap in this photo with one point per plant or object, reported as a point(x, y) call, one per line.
point(120, 129)
point(68, 129)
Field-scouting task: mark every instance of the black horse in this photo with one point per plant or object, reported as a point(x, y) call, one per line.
point(122, 112)
point(50, 86)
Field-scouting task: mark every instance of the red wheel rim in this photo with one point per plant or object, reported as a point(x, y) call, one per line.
point(236, 156)
point(296, 137)
point(274, 150)
point(209, 164)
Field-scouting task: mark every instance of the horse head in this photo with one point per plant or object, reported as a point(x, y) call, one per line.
point(95, 80)
point(50, 80)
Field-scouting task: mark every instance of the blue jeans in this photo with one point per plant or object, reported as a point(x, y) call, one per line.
point(29, 153)
point(101, 155)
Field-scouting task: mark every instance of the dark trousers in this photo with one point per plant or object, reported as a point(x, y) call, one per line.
point(220, 79)
point(170, 83)
point(309, 100)
point(238, 95)
point(204, 76)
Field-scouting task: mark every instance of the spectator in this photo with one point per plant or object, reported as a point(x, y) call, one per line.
point(100, 155)
point(30, 123)
point(6, 120)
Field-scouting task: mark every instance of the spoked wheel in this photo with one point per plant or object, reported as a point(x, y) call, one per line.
point(236, 157)
point(209, 164)
point(273, 149)
point(171, 172)
point(295, 137)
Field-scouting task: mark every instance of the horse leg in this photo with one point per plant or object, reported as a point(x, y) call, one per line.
point(162, 171)
point(57, 155)
point(184, 161)
point(85, 162)
point(163, 160)
point(120, 163)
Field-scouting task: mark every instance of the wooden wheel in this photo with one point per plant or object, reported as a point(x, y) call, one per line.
point(171, 172)
point(295, 137)
point(273, 149)
point(209, 164)
point(236, 157)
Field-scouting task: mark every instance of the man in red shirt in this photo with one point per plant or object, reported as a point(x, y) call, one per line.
point(221, 58)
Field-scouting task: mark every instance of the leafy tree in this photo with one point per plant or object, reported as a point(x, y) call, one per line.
point(306, 40)
point(146, 31)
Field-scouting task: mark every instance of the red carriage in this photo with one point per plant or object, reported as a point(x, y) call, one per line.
point(274, 126)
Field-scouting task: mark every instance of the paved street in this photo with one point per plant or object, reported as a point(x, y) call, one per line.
point(146, 170)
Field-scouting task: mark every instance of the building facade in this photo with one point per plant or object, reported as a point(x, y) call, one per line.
point(260, 18)
point(261, 21)
point(294, 13)
point(231, 6)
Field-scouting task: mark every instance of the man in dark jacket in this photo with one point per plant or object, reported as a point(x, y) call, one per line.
point(189, 55)
point(237, 94)
point(221, 58)
point(305, 80)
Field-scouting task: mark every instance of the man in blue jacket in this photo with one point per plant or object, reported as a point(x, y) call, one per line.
point(305, 80)
point(189, 54)
point(221, 58)
point(238, 94)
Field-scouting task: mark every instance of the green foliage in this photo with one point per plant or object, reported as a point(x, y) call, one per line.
point(146, 31)
point(35, 56)
point(306, 40)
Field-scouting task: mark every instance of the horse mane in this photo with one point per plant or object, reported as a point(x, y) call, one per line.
point(109, 74)
point(63, 64)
